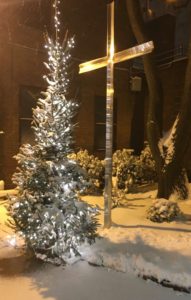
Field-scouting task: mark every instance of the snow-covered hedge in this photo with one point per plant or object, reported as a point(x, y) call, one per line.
point(124, 163)
point(129, 169)
point(121, 157)
point(92, 165)
point(163, 210)
point(146, 165)
point(134, 170)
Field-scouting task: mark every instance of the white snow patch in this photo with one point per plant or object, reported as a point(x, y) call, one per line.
point(167, 142)
point(136, 245)
point(133, 245)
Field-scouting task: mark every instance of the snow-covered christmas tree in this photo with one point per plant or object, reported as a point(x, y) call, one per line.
point(48, 211)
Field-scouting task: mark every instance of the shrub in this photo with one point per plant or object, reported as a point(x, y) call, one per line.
point(121, 157)
point(92, 165)
point(126, 173)
point(146, 166)
point(133, 170)
point(163, 210)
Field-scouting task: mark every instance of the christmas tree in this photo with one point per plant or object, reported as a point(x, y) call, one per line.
point(48, 211)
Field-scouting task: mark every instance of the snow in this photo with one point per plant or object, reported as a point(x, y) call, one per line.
point(132, 247)
point(81, 282)
point(136, 245)
point(168, 142)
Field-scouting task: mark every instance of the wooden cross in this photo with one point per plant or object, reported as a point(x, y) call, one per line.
point(109, 61)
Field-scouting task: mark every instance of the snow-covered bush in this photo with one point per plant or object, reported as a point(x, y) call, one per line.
point(119, 198)
point(133, 170)
point(92, 165)
point(121, 157)
point(128, 168)
point(146, 166)
point(163, 210)
point(126, 174)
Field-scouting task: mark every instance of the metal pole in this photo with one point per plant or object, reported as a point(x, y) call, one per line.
point(109, 116)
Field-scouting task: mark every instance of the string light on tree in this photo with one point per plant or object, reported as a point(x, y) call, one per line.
point(48, 211)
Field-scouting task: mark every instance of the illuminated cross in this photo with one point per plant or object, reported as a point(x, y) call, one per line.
point(109, 61)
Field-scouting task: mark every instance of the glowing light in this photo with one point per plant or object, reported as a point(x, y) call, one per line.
point(111, 52)
point(118, 57)
point(12, 240)
point(110, 91)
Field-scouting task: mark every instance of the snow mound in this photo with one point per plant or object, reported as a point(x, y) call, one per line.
point(163, 210)
point(144, 253)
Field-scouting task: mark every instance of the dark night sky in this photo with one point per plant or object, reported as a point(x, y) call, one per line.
point(87, 20)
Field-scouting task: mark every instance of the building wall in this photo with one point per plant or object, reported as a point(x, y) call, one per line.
point(21, 65)
point(93, 84)
point(172, 77)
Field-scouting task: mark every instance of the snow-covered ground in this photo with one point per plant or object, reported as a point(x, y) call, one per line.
point(133, 246)
point(78, 282)
point(137, 245)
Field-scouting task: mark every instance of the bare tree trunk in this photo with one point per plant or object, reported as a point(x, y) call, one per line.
point(154, 119)
point(182, 136)
point(169, 170)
